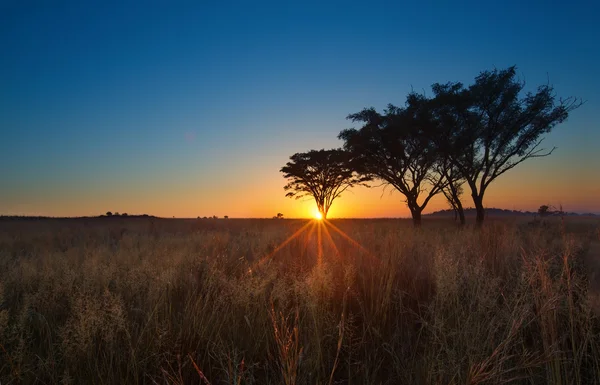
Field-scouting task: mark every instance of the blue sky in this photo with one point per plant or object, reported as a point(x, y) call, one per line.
point(187, 108)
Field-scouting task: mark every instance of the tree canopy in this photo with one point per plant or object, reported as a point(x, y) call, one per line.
point(544, 211)
point(391, 148)
point(492, 126)
point(323, 175)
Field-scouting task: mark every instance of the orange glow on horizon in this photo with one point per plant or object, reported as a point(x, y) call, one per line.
point(266, 199)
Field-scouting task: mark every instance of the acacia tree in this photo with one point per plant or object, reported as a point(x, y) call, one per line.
point(323, 175)
point(392, 148)
point(544, 211)
point(491, 126)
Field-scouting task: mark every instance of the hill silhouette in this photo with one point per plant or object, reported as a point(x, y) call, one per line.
point(496, 212)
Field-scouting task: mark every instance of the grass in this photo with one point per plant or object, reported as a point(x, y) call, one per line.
point(122, 301)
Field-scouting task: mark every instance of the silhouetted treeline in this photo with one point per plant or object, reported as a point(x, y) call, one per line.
point(459, 138)
point(26, 217)
point(125, 215)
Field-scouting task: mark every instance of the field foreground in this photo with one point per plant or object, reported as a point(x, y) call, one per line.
point(160, 301)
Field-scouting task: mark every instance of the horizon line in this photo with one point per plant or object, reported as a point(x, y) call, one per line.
point(525, 212)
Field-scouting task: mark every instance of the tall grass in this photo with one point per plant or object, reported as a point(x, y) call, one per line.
point(222, 302)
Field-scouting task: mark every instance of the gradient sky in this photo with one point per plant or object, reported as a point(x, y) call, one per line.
point(191, 109)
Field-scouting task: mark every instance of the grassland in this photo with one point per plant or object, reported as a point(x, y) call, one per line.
point(126, 301)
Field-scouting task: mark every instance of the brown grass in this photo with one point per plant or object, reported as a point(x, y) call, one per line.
point(122, 301)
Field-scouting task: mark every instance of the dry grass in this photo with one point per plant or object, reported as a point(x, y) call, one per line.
point(222, 302)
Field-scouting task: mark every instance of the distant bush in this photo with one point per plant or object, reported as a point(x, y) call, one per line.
point(544, 211)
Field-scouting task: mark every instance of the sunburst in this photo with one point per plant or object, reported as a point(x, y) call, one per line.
point(322, 227)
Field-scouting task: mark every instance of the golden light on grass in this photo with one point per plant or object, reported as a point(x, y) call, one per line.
point(319, 229)
point(266, 258)
point(325, 302)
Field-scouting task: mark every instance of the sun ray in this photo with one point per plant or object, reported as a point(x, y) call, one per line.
point(319, 244)
point(331, 241)
point(267, 257)
point(308, 236)
point(352, 241)
point(322, 231)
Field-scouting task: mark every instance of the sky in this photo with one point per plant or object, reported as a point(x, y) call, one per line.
point(190, 109)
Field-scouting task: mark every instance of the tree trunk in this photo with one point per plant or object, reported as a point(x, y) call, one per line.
point(416, 217)
point(460, 211)
point(323, 214)
point(478, 201)
point(322, 209)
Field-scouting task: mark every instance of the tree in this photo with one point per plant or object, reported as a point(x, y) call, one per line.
point(491, 127)
point(323, 175)
point(391, 147)
point(278, 216)
point(544, 211)
point(109, 214)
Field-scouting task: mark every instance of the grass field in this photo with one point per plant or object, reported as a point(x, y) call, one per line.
point(167, 301)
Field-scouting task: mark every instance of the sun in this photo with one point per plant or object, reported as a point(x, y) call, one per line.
point(318, 216)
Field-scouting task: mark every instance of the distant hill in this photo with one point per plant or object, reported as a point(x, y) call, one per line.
point(495, 212)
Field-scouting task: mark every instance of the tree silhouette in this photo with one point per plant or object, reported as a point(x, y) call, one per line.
point(544, 211)
point(491, 127)
point(109, 214)
point(323, 175)
point(391, 147)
